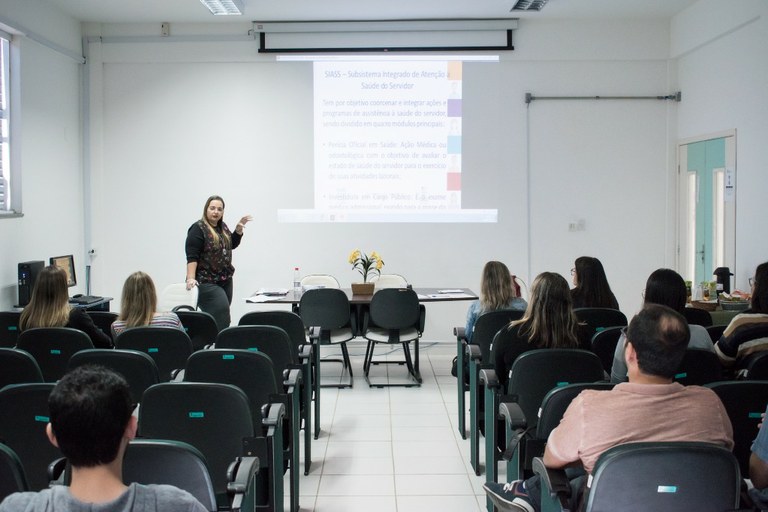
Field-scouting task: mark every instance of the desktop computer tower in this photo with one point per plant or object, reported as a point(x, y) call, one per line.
point(28, 272)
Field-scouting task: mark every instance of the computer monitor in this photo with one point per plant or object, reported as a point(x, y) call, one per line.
point(68, 264)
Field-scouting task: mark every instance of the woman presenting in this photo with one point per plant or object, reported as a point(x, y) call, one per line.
point(209, 259)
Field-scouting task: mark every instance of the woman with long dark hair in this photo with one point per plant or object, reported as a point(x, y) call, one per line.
point(665, 287)
point(591, 288)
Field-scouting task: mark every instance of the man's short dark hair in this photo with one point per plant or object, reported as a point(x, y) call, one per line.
point(89, 410)
point(660, 337)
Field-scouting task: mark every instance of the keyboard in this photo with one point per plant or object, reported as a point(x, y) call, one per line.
point(84, 299)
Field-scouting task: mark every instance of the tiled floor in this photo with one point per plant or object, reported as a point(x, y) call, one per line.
point(391, 449)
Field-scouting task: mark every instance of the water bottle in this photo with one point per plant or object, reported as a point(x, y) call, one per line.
point(296, 281)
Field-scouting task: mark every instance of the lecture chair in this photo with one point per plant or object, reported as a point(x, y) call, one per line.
point(137, 368)
point(532, 376)
point(486, 327)
point(18, 367)
point(167, 346)
point(200, 327)
point(9, 328)
point(22, 428)
point(697, 316)
point(217, 420)
point(12, 477)
point(395, 317)
point(604, 345)
point(663, 477)
point(103, 320)
point(52, 347)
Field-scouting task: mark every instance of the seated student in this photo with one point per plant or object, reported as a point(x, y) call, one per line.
point(731, 349)
point(49, 307)
point(91, 423)
point(591, 288)
point(758, 467)
point(657, 338)
point(496, 292)
point(665, 287)
point(138, 306)
point(548, 322)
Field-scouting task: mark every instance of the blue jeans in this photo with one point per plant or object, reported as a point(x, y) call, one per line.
point(215, 299)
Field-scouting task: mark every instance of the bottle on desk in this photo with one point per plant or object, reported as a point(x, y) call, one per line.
point(296, 281)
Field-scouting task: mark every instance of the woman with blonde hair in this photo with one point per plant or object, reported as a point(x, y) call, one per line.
point(496, 292)
point(138, 306)
point(548, 322)
point(49, 307)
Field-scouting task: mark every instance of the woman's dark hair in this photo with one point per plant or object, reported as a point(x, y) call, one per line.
point(666, 287)
point(592, 289)
point(760, 292)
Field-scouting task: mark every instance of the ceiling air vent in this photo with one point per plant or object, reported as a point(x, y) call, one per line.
point(528, 5)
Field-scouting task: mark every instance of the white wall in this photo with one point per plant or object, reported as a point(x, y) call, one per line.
point(721, 54)
point(154, 163)
point(174, 122)
point(50, 145)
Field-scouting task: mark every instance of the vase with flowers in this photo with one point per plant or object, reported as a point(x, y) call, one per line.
point(367, 266)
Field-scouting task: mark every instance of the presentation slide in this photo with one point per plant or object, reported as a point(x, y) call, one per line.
point(388, 143)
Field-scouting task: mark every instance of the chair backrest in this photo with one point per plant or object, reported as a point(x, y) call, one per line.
point(12, 477)
point(699, 367)
point(22, 428)
point(200, 327)
point(169, 347)
point(324, 280)
point(395, 309)
point(271, 340)
point(175, 295)
point(488, 326)
point(160, 461)
point(9, 328)
point(52, 347)
point(252, 372)
point(715, 331)
point(212, 417)
point(103, 320)
point(604, 345)
point(557, 400)
point(665, 477)
point(384, 281)
point(757, 365)
point(138, 369)
point(536, 372)
point(600, 318)
point(326, 308)
point(697, 316)
point(289, 321)
point(745, 402)
point(18, 367)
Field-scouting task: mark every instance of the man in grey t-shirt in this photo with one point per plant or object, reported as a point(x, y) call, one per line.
point(91, 422)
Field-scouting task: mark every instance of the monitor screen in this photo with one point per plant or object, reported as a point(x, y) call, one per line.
point(68, 264)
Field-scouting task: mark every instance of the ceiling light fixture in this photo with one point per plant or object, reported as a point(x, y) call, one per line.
point(528, 5)
point(224, 7)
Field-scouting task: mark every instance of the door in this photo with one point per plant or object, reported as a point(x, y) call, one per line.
point(707, 218)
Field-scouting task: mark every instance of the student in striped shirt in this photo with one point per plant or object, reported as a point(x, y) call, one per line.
point(139, 304)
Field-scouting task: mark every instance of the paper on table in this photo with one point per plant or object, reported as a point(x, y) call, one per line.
point(272, 291)
point(451, 290)
point(259, 298)
point(450, 295)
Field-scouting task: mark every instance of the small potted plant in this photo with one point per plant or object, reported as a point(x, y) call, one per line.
point(367, 266)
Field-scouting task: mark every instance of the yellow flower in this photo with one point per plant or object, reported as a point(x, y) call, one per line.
point(366, 265)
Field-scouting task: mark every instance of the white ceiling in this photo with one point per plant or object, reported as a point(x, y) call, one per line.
point(192, 11)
